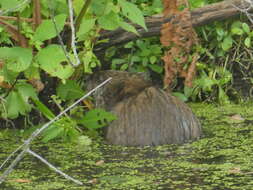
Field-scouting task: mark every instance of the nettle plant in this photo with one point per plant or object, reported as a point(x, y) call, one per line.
point(36, 41)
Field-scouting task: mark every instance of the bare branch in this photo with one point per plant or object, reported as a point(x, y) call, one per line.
point(54, 168)
point(73, 37)
point(26, 144)
point(245, 7)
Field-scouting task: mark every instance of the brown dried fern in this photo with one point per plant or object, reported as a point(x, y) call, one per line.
point(179, 36)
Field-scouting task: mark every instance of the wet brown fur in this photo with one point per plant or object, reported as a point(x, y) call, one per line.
point(146, 115)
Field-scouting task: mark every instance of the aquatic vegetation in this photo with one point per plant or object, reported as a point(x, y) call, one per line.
point(220, 159)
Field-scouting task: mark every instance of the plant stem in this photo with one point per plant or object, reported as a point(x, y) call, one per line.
point(82, 13)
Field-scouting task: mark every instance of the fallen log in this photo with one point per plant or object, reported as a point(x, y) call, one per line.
point(201, 16)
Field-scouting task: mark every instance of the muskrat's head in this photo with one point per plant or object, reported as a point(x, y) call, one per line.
point(122, 85)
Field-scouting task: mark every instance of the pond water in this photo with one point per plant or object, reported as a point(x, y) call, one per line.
point(221, 159)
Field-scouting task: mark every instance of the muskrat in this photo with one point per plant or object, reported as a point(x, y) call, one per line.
point(146, 115)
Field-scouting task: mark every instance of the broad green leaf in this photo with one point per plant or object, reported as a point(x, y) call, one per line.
point(129, 45)
point(64, 128)
point(8, 4)
point(69, 91)
point(205, 83)
point(220, 31)
point(116, 62)
point(46, 29)
point(156, 68)
point(86, 26)
point(247, 42)
point(246, 28)
point(135, 58)
point(152, 59)
point(236, 24)
point(52, 132)
point(109, 21)
point(132, 12)
point(128, 27)
point(16, 105)
point(17, 101)
point(18, 59)
point(32, 72)
point(50, 60)
point(26, 91)
point(9, 76)
point(77, 5)
point(99, 7)
point(97, 118)
point(237, 31)
point(43, 109)
point(124, 67)
point(71, 134)
point(57, 6)
point(227, 43)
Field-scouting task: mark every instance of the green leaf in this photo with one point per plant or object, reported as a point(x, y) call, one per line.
point(64, 128)
point(132, 12)
point(16, 105)
point(17, 102)
point(109, 21)
point(246, 28)
point(18, 59)
point(197, 3)
point(116, 62)
point(220, 31)
point(135, 58)
point(247, 42)
point(52, 132)
point(26, 91)
point(156, 68)
point(236, 24)
point(128, 27)
point(46, 29)
point(50, 60)
point(205, 83)
point(99, 7)
point(227, 43)
point(97, 118)
point(87, 60)
point(188, 91)
point(222, 97)
point(86, 26)
point(77, 5)
point(237, 31)
point(32, 72)
point(43, 109)
point(129, 45)
point(69, 91)
point(8, 4)
point(152, 59)
point(124, 67)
